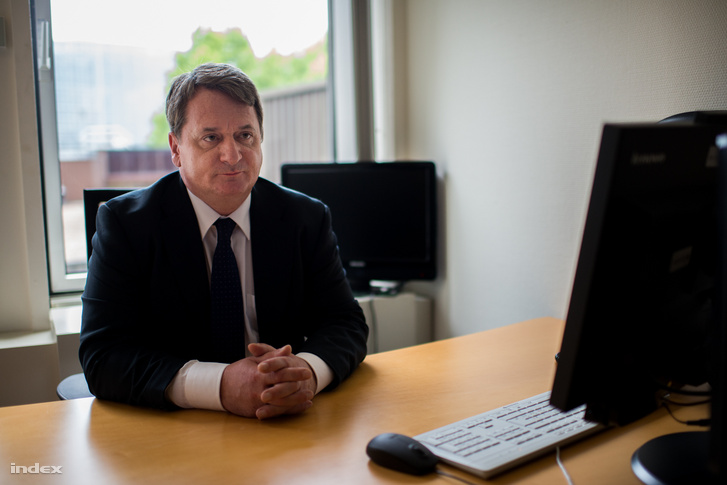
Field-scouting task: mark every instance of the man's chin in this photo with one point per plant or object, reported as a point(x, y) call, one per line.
point(235, 188)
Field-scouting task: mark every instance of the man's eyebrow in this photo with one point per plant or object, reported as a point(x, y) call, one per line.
point(248, 126)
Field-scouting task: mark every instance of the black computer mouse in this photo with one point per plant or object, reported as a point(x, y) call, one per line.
point(401, 453)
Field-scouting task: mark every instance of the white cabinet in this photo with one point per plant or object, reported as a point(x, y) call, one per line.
point(397, 321)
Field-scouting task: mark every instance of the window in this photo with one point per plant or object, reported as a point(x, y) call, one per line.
point(103, 73)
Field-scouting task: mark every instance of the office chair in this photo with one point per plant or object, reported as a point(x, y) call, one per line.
point(75, 386)
point(715, 117)
point(92, 199)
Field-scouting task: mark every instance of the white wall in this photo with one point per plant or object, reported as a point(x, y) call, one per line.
point(509, 98)
point(23, 281)
point(29, 369)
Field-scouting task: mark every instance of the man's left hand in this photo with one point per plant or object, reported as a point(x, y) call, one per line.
point(283, 396)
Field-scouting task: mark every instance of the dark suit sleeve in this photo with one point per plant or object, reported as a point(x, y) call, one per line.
point(303, 297)
point(340, 330)
point(126, 346)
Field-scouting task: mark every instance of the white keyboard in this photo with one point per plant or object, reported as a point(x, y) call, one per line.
point(500, 439)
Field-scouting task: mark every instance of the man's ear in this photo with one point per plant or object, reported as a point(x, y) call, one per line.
point(174, 146)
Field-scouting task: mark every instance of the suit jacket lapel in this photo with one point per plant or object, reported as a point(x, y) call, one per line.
point(184, 251)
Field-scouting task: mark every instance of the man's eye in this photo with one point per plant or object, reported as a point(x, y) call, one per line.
point(210, 138)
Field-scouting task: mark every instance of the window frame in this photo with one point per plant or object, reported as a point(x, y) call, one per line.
point(59, 279)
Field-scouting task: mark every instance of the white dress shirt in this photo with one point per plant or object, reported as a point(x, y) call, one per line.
point(197, 384)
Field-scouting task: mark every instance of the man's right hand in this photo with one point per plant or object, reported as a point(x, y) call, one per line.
point(251, 390)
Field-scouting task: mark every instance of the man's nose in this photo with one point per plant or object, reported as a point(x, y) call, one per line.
point(230, 151)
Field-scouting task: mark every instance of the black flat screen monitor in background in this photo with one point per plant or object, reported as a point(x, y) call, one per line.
point(642, 316)
point(384, 216)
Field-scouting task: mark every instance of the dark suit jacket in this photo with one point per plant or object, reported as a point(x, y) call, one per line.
point(146, 306)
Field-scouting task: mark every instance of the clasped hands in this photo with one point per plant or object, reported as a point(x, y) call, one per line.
point(270, 383)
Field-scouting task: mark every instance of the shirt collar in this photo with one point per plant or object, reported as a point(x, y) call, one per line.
point(206, 215)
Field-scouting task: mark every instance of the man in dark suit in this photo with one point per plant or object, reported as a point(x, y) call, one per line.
point(149, 334)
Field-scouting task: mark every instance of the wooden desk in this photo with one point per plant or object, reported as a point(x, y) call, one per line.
point(407, 391)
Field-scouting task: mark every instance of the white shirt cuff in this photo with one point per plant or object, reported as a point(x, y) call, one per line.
point(323, 373)
point(197, 385)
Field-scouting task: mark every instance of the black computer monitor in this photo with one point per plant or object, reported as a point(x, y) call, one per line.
point(644, 318)
point(384, 216)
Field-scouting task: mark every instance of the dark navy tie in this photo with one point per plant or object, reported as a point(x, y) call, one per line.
point(228, 321)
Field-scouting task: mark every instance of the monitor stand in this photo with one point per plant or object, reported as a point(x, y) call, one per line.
point(679, 458)
point(375, 287)
point(381, 287)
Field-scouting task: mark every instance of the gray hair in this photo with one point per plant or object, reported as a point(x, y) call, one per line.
point(224, 78)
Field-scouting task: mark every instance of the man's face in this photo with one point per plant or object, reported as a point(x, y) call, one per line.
point(218, 154)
